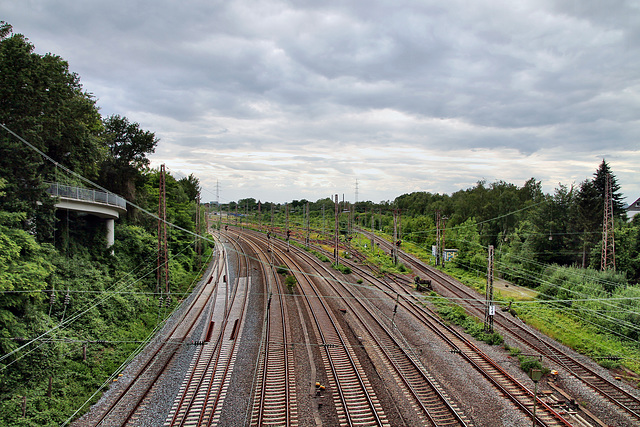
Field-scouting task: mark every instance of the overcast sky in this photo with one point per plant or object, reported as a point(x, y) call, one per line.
point(283, 100)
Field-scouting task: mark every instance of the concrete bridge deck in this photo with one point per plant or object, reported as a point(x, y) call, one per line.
point(102, 204)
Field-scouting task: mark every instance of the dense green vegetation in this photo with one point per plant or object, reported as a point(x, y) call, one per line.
point(72, 311)
point(456, 314)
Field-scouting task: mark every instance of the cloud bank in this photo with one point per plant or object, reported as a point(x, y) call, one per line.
point(282, 100)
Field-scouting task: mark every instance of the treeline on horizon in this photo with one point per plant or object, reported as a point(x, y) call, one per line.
point(563, 228)
point(549, 242)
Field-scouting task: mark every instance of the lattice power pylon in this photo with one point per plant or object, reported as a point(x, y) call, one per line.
point(608, 261)
point(163, 252)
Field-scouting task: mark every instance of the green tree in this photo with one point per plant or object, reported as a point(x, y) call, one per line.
point(191, 187)
point(590, 210)
point(589, 218)
point(516, 260)
point(24, 267)
point(556, 236)
point(249, 204)
point(42, 102)
point(599, 182)
point(531, 192)
point(628, 249)
point(472, 255)
point(128, 147)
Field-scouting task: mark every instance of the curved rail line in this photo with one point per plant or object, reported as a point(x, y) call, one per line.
point(199, 401)
point(520, 395)
point(354, 398)
point(435, 408)
point(275, 394)
point(121, 410)
point(615, 394)
point(418, 385)
point(611, 391)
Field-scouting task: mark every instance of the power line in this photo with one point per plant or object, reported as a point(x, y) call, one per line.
point(77, 314)
point(88, 181)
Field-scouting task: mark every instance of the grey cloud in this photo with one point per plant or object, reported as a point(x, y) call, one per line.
point(323, 80)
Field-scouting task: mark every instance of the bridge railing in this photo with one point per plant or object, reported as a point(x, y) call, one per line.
point(86, 194)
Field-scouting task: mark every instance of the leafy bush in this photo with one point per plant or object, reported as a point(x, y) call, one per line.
point(456, 315)
point(320, 256)
point(493, 338)
point(527, 363)
point(344, 269)
point(290, 281)
point(513, 351)
point(609, 363)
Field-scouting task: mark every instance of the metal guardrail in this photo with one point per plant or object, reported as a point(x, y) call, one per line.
point(86, 194)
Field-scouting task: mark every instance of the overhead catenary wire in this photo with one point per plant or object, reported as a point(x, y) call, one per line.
point(583, 272)
point(182, 229)
point(612, 320)
point(603, 299)
point(77, 314)
point(88, 181)
point(134, 353)
point(609, 301)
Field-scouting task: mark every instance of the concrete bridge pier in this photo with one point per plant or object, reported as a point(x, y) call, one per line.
point(111, 232)
point(107, 206)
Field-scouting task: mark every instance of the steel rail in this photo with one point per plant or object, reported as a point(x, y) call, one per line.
point(276, 329)
point(185, 411)
point(615, 394)
point(147, 365)
point(413, 386)
point(329, 347)
point(555, 415)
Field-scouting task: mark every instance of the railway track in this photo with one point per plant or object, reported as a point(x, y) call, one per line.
point(624, 400)
point(203, 392)
point(275, 400)
point(353, 396)
point(129, 401)
point(546, 348)
point(620, 397)
point(434, 407)
point(520, 395)
point(201, 396)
